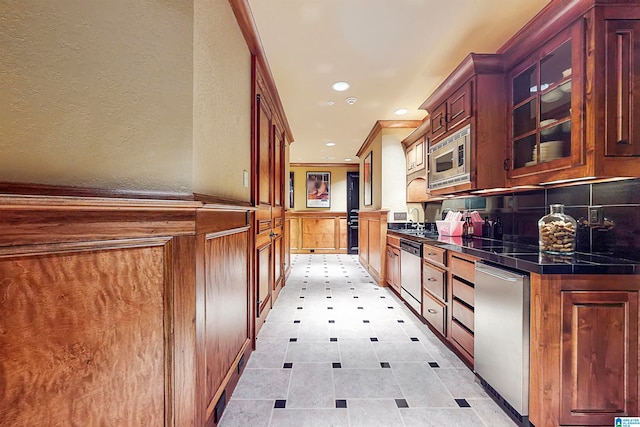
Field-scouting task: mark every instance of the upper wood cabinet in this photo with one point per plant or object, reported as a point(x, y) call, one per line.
point(473, 94)
point(573, 103)
point(416, 146)
point(452, 112)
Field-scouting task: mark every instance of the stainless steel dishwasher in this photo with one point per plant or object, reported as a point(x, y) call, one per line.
point(501, 356)
point(411, 273)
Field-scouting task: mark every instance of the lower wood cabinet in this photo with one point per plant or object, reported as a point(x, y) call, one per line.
point(372, 238)
point(584, 349)
point(434, 312)
point(393, 268)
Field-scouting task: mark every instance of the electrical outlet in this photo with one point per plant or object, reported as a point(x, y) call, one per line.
point(245, 179)
point(595, 215)
point(399, 216)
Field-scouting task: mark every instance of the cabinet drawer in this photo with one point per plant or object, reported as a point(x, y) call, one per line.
point(434, 254)
point(434, 280)
point(393, 241)
point(463, 337)
point(463, 291)
point(434, 312)
point(463, 314)
point(462, 268)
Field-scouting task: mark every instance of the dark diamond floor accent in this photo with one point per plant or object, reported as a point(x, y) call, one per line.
point(365, 321)
point(293, 339)
point(287, 365)
point(402, 403)
point(414, 339)
point(360, 308)
point(280, 404)
point(333, 339)
point(332, 321)
point(296, 321)
point(400, 321)
point(299, 308)
point(336, 365)
point(463, 403)
point(434, 364)
point(385, 365)
point(340, 403)
point(374, 339)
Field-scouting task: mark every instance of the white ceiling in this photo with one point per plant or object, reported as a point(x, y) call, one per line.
point(394, 53)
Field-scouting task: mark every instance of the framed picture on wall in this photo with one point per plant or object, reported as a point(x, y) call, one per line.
point(318, 189)
point(291, 205)
point(368, 179)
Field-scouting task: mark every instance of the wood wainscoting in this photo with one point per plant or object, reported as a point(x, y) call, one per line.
point(121, 311)
point(318, 232)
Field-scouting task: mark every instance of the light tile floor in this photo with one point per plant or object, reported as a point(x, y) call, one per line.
point(337, 350)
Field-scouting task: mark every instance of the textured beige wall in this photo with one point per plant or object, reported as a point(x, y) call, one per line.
point(376, 148)
point(222, 102)
point(338, 187)
point(97, 93)
point(394, 175)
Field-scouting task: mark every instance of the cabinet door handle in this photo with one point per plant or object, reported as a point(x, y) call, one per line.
point(430, 254)
point(432, 311)
point(440, 121)
point(431, 279)
point(505, 164)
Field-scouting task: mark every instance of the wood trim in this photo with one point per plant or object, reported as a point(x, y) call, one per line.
point(327, 214)
point(418, 133)
point(325, 165)
point(385, 124)
point(542, 27)
point(474, 63)
point(29, 189)
point(242, 11)
point(222, 202)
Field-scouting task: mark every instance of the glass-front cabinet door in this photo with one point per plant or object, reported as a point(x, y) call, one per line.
point(543, 96)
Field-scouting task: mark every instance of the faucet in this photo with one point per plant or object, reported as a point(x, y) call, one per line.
point(415, 223)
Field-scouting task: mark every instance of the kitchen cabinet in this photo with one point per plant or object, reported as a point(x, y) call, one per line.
point(373, 242)
point(473, 94)
point(584, 349)
point(461, 297)
point(573, 104)
point(546, 107)
point(393, 263)
point(434, 288)
point(453, 112)
point(416, 146)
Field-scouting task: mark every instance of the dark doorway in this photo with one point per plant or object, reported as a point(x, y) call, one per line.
point(353, 205)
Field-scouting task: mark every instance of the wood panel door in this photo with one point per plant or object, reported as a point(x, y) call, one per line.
point(263, 187)
point(623, 83)
point(277, 211)
point(599, 363)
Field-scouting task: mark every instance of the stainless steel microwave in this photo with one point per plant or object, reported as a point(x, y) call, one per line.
point(449, 160)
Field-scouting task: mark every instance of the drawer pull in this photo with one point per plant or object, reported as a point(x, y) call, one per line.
point(431, 279)
point(430, 254)
point(432, 311)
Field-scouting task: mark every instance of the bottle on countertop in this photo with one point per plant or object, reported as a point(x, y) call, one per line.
point(486, 227)
point(497, 229)
point(467, 228)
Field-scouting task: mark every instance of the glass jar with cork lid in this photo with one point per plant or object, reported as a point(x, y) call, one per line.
point(557, 232)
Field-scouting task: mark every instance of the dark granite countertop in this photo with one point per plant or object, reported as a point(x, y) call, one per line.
point(525, 257)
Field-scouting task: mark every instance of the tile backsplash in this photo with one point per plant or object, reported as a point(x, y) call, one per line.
point(617, 234)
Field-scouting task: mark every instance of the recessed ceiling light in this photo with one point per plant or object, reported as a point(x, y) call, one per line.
point(330, 102)
point(340, 86)
point(330, 144)
point(351, 100)
point(348, 159)
point(401, 111)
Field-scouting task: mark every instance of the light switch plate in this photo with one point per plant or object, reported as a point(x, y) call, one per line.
point(399, 216)
point(245, 179)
